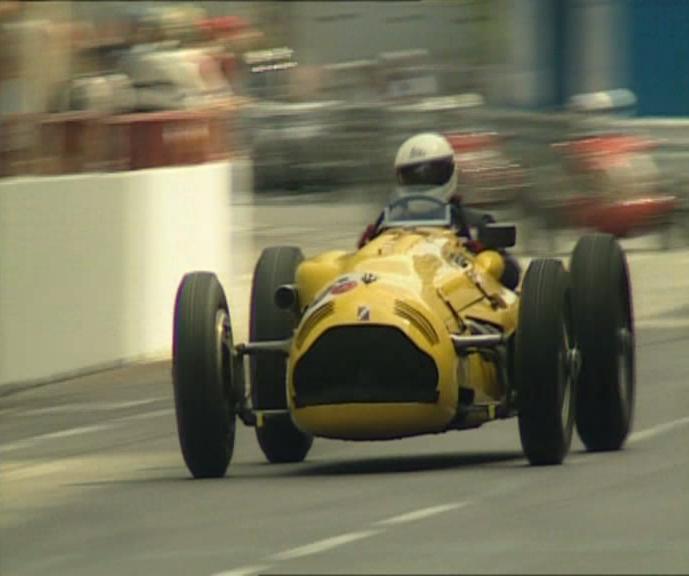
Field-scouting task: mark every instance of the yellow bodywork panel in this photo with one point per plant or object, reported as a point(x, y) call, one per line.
point(424, 284)
point(372, 421)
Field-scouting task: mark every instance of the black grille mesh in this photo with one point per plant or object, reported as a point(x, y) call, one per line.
point(371, 363)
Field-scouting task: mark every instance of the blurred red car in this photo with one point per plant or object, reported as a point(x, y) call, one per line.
point(487, 178)
point(616, 185)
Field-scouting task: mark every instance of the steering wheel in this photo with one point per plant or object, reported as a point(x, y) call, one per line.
point(404, 201)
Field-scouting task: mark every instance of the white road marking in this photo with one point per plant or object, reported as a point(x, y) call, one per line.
point(323, 545)
point(17, 473)
point(329, 543)
point(90, 406)
point(146, 415)
point(243, 571)
point(69, 432)
point(28, 442)
point(420, 514)
point(342, 539)
point(658, 430)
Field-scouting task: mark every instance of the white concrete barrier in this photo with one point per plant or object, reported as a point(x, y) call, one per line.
point(89, 264)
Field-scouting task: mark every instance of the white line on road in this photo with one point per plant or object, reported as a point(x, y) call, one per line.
point(329, 543)
point(27, 442)
point(420, 514)
point(146, 415)
point(243, 571)
point(14, 473)
point(111, 423)
point(658, 430)
point(90, 406)
point(323, 545)
point(342, 539)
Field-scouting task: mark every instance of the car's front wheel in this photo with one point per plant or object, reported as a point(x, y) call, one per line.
point(545, 363)
point(202, 375)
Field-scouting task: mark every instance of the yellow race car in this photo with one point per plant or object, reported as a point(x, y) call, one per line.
point(411, 334)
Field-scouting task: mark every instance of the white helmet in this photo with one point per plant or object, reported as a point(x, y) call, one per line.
point(425, 164)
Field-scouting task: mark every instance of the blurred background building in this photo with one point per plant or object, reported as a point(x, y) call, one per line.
point(527, 53)
point(266, 79)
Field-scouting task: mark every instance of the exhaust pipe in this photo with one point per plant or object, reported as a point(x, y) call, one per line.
point(286, 297)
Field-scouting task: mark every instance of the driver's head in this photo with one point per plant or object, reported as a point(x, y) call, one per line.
point(425, 165)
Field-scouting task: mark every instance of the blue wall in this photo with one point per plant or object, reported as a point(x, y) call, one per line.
point(659, 31)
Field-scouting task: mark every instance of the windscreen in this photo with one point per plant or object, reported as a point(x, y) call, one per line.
point(417, 210)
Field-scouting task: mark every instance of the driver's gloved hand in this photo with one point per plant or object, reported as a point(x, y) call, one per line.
point(367, 235)
point(474, 246)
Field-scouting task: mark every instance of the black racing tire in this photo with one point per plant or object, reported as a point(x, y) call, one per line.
point(202, 375)
point(279, 439)
point(544, 374)
point(602, 300)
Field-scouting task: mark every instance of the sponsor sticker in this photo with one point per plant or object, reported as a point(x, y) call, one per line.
point(342, 287)
point(363, 313)
point(368, 278)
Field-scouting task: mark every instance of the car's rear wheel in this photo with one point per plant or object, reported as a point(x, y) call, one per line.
point(278, 437)
point(604, 324)
point(202, 375)
point(545, 363)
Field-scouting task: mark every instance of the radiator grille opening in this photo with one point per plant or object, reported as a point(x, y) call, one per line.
point(361, 364)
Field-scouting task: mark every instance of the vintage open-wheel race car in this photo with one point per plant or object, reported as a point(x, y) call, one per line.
point(411, 334)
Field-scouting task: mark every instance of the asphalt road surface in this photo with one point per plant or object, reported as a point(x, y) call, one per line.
point(92, 479)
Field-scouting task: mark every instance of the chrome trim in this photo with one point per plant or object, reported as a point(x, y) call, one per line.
point(268, 346)
point(477, 341)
